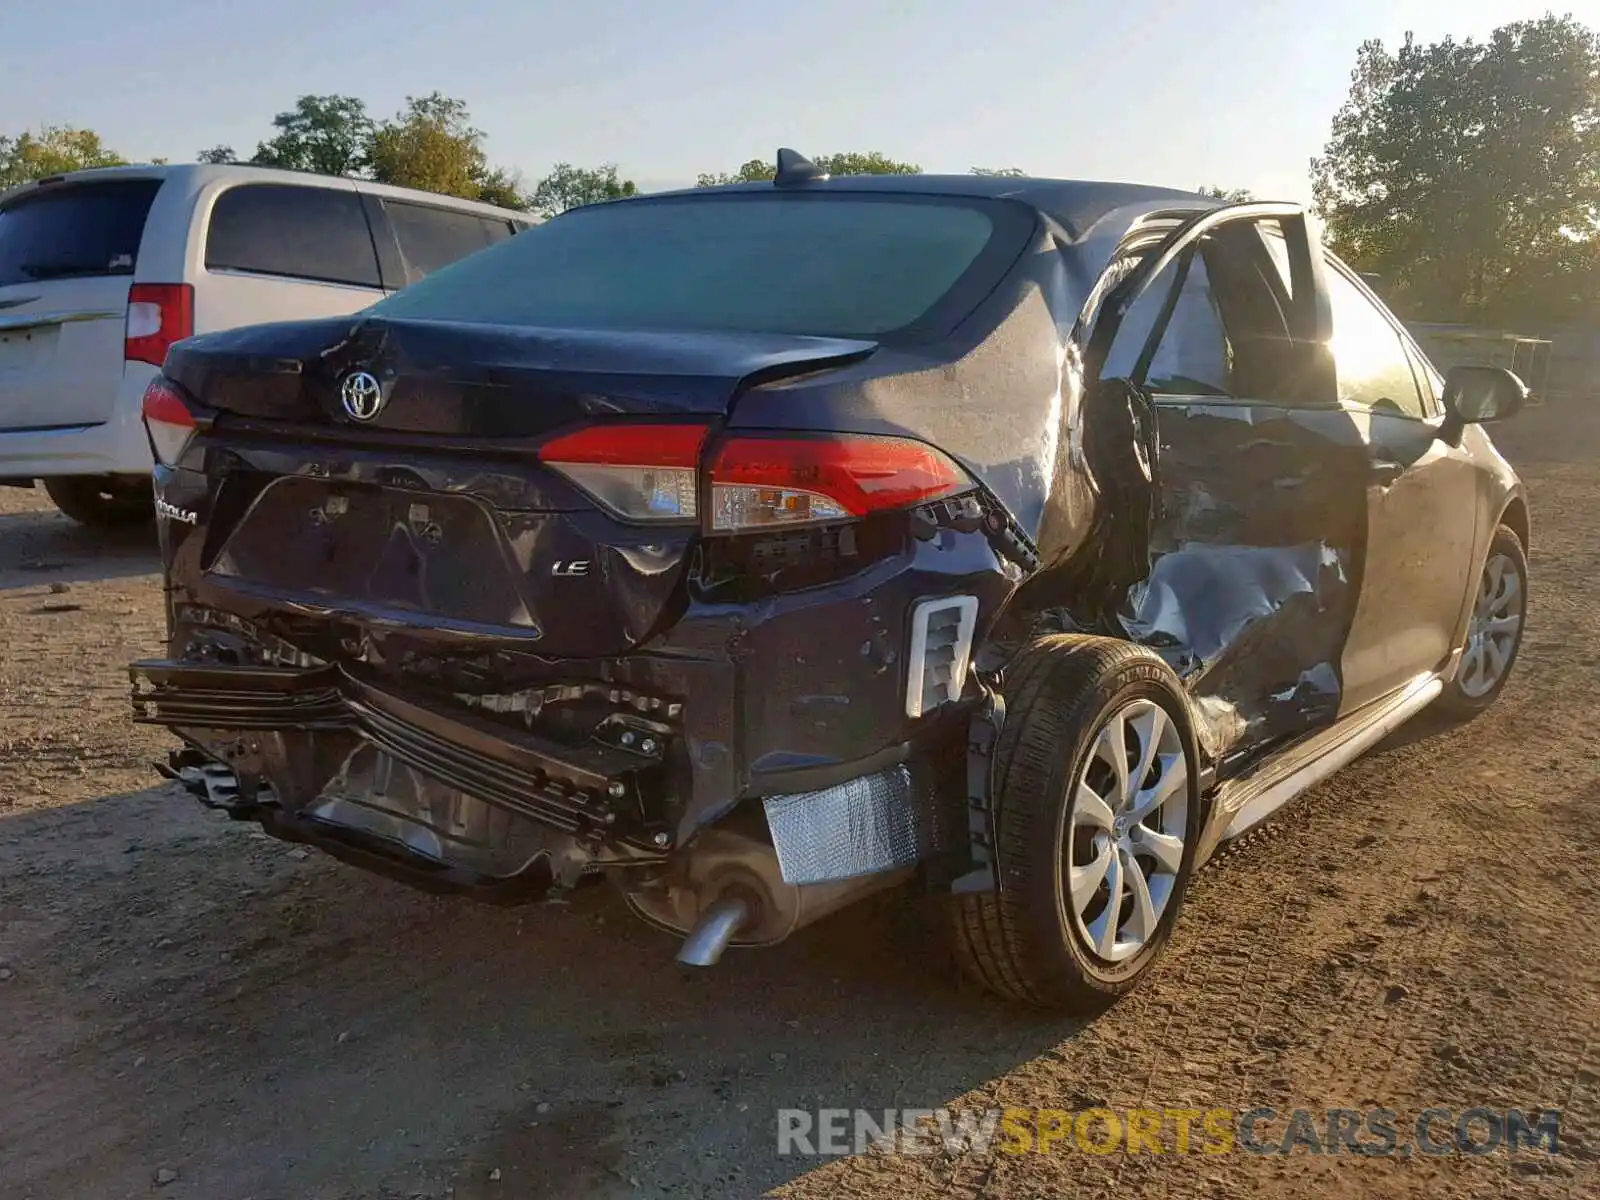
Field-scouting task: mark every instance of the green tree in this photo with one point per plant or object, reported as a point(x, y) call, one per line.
point(1003, 172)
point(1467, 174)
point(330, 135)
point(1227, 195)
point(217, 155)
point(432, 145)
point(54, 150)
point(757, 170)
point(503, 188)
point(870, 162)
point(568, 187)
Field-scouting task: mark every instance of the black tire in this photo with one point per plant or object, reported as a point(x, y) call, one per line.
point(1455, 701)
point(103, 502)
point(1021, 943)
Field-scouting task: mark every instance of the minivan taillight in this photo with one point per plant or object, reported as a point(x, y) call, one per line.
point(158, 315)
point(167, 417)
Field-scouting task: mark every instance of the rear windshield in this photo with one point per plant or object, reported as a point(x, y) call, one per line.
point(855, 266)
point(63, 231)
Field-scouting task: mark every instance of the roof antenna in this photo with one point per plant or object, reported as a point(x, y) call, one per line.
point(795, 168)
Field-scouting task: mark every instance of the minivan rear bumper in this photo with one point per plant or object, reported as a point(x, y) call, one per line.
point(115, 447)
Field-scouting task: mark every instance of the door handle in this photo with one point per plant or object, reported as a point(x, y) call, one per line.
point(1385, 473)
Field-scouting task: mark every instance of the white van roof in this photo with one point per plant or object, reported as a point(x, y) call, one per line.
point(197, 175)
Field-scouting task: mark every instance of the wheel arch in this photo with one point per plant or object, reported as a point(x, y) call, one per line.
point(1515, 516)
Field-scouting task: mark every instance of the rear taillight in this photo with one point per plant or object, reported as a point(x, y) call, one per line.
point(168, 419)
point(158, 315)
point(651, 473)
point(760, 482)
point(640, 472)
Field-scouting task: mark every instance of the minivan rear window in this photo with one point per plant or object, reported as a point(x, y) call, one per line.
point(431, 238)
point(855, 265)
point(73, 230)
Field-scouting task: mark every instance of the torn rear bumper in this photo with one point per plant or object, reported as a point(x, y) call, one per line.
point(586, 789)
point(444, 799)
point(217, 787)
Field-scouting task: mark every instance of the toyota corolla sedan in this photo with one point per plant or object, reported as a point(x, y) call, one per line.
point(757, 548)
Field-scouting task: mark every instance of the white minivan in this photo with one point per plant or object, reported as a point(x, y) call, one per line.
point(102, 270)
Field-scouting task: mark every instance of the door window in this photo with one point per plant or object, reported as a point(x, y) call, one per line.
point(1229, 332)
point(1193, 357)
point(1272, 236)
point(1369, 354)
point(296, 232)
point(431, 238)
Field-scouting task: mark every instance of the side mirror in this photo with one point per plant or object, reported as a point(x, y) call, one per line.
point(1474, 395)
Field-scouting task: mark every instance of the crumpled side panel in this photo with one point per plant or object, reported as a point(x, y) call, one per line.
point(1239, 624)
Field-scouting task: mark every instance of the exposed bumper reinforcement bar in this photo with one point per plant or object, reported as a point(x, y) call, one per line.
point(577, 789)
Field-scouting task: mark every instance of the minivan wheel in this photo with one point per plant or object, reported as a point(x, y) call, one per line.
point(103, 501)
point(1097, 814)
point(1494, 632)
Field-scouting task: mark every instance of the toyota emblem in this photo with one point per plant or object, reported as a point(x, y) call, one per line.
point(362, 395)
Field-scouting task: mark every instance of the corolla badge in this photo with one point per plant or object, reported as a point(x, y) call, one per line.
point(171, 512)
point(361, 395)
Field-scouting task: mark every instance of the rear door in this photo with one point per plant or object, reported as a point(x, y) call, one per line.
point(286, 251)
point(1256, 551)
point(67, 257)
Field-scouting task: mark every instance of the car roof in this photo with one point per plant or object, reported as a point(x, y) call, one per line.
point(200, 174)
point(1076, 204)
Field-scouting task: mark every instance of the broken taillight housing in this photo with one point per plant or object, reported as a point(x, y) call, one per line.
point(788, 480)
point(639, 472)
point(166, 415)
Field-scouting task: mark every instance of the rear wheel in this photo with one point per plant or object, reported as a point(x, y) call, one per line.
point(1097, 813)
point(1494, 632)
point(103, 501)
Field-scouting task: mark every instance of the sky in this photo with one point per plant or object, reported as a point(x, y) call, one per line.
point(1155, 91)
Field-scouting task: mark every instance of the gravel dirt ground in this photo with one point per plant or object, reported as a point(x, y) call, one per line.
point(191, 1010)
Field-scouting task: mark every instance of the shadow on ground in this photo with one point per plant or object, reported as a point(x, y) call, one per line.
point(279, 1024)
point(41, 547)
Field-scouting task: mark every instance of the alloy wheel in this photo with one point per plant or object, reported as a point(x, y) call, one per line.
point(1494, 629)
point(1123, 848)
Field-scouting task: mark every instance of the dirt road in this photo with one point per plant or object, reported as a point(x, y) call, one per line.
point(190, 1010)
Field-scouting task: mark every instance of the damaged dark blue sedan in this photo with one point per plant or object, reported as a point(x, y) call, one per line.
point(757, 548)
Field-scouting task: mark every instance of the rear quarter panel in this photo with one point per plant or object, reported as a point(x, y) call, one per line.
point(1000, 394)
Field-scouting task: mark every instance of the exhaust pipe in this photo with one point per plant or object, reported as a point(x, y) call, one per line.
point(733, 887)
point(717, 925)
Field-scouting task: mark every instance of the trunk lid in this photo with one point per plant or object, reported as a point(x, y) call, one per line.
point(485, 381)
point(435, 512)
point(67, 258)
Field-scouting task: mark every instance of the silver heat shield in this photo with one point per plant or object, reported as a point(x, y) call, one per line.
point(871, 824)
